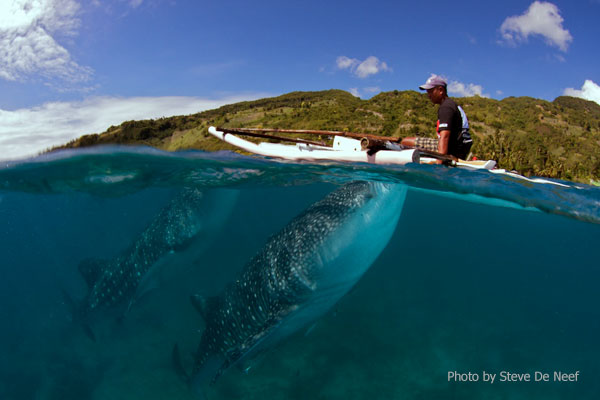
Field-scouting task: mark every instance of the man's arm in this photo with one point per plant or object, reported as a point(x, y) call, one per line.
point(443, 142)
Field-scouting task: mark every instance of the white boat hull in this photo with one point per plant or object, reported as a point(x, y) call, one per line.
point(343, 150)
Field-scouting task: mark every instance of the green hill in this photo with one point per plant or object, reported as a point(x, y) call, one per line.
point(559, 139)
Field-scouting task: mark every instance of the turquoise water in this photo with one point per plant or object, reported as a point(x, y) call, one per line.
point(483, 273)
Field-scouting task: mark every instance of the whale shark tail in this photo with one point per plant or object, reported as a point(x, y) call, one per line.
point(77, 315)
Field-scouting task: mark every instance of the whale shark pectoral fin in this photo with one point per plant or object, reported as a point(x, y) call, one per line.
point(203, 304)
point(91, 269)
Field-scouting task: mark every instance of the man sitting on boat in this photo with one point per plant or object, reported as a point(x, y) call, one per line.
point(452, 125)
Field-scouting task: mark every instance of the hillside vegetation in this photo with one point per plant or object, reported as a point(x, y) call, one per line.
point(559, 139)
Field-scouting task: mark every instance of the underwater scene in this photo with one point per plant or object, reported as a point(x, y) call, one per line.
point(131, 273)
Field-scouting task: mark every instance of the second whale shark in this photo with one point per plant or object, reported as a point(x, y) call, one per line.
point(299, 274)
point(117, 283)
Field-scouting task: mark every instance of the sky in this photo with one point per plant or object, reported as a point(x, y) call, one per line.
point(74, 67)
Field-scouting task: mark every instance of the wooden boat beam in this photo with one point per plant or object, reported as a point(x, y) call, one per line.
point(266, 136)
point(313, 132)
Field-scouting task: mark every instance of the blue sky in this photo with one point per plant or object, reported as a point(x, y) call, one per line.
point(71, 67)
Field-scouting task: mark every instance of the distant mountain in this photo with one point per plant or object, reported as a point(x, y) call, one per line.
point(559, 139)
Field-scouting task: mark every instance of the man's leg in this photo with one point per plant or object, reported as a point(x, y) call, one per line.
point(409, 141)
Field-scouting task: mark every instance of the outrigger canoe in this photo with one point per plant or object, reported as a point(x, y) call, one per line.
point(351, 147)
point(368, 149)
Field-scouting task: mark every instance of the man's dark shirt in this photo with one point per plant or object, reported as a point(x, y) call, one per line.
point(450, 118)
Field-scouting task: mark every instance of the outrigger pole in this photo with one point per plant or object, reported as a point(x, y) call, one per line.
point(255, 133)
point(312, 132)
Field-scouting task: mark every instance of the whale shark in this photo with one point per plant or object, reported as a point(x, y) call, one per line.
point(188, 221)
point(299, 274)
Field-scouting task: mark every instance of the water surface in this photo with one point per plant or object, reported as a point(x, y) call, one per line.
point(484, 273)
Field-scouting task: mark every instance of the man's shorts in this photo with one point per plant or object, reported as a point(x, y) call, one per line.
point(427, 143)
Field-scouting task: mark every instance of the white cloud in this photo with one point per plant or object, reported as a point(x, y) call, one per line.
point(366, 91)
point(370, 66)
point(589, 91)
point(26, 132)
point(541, 18)
point(135, 3)
point(28, 45)
point(372, 89)
point(362, 69)
point(344, 62)
point(560, 58)
point(465, 90)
